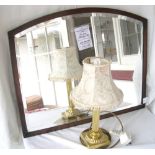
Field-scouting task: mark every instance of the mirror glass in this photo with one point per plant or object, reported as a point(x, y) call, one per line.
point(112, 36)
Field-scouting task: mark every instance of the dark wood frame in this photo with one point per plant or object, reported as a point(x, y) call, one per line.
point(13, 32)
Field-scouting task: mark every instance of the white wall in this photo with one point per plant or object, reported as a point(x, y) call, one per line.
point(12, 17)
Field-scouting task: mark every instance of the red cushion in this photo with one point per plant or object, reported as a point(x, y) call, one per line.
point(122, 75)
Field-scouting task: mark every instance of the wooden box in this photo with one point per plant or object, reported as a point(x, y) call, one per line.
point(34, 102)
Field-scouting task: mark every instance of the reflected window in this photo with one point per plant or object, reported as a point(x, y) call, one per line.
point(131, 33)
point(104, 36)
point(34, 48)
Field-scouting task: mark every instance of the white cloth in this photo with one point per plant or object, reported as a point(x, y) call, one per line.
point(10, 134)
point(151, 73)
point(140, 124)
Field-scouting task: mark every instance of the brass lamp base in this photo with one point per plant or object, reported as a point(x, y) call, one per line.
point(71, 113)
point(94, 140)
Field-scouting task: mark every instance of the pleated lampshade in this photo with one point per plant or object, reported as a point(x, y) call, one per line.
point(96, 88)
point(65, 64)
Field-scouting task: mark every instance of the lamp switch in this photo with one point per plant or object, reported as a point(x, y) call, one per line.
point(125, 138)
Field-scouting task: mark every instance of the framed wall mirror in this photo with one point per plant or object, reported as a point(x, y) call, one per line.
point(116, 35)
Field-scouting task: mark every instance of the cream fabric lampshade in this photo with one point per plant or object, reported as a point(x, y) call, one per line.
point(65, 64)
point(96, 88)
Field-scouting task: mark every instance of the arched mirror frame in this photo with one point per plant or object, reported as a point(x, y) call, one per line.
point(13, 32)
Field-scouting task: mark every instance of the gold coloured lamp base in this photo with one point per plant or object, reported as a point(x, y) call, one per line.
point(95, 137)
point(71, 113)
point(94, 140)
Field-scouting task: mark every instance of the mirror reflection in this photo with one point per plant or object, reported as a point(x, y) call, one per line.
point(115, 37)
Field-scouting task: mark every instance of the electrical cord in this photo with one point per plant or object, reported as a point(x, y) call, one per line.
point(122, 128)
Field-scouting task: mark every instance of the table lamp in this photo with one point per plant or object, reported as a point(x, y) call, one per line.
point(97, 92)
point(65, 66)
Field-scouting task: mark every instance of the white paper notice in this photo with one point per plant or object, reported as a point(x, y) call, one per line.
point(83, 37)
